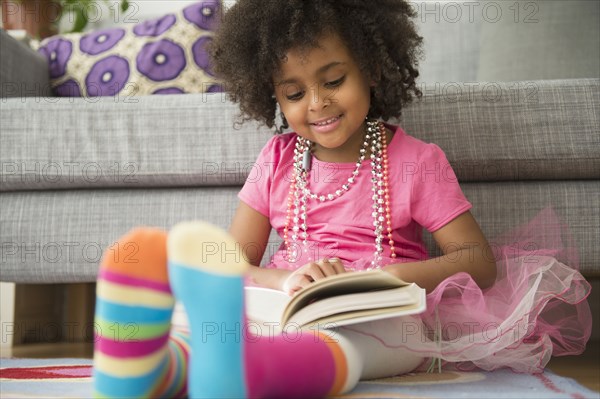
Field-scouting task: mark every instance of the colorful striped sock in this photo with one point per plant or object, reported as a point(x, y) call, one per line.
point(133, 356)
point(174, 384)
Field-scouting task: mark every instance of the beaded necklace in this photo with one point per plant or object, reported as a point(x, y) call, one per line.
point(300, 194)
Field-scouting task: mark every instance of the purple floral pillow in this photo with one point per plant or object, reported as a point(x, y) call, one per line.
point(166, 55)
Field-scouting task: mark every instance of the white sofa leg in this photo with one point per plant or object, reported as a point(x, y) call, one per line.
point(7, 318)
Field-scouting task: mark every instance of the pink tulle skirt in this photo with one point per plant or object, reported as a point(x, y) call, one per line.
point(536, 309)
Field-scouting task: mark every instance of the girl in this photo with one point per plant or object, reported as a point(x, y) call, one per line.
point(346, 192)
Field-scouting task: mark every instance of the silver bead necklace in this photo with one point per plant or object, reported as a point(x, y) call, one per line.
point(300, 194)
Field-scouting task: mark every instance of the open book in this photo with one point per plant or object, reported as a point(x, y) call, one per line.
point(343, 299)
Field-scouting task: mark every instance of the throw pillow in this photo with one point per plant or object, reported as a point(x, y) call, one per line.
point(166, 55)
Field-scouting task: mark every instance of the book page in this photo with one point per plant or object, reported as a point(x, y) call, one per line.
point(374, 304)
point(362, 316)
point(264, 305)
point(345, 283)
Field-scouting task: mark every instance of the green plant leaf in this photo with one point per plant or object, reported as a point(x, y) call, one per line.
point(80, 10)
point(80, 20)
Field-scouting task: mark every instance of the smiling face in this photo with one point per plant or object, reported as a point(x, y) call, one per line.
point(325, 98)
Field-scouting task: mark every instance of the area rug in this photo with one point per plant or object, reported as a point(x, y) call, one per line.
point(71, 378)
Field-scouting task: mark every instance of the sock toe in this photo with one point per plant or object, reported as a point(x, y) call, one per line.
point(206, 247)
point(141, 254)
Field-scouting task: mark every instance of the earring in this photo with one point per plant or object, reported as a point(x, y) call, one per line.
point(284, 124)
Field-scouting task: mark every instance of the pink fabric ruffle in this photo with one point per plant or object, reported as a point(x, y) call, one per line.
point(536, 309)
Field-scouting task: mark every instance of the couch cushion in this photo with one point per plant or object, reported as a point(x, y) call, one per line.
point(531, 130)
point(166, 55)
point(152, 141)
point(59, 236)
point(23, 72)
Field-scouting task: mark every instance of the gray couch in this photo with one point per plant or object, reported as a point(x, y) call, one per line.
point(78, 173)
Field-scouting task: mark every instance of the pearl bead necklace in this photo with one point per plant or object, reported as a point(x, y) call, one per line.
point(300, 195)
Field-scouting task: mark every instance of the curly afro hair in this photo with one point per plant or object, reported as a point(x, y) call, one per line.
point(255, 35)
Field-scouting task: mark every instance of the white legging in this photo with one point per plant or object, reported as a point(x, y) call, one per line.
point(368, 355)
point(364, 345)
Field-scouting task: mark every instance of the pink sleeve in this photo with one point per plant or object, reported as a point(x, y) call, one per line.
point(257, 188)
point(436, 197)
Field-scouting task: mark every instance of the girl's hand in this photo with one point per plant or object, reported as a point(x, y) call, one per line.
point(310, 273)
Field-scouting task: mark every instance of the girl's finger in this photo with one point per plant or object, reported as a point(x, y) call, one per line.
point(337, 265)
point(327, 268)
point(299, 283)
point(315, 271)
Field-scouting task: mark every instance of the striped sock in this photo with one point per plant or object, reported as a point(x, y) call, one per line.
point(133, 356)
point(174, 384)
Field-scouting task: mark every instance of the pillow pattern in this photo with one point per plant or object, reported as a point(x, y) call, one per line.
point(166, 55)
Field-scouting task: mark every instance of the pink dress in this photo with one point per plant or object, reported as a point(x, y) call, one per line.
point(536, 308)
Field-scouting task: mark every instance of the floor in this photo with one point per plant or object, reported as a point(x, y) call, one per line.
point(584, 368)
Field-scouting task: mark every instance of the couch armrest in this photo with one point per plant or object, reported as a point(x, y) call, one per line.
point(23, 72)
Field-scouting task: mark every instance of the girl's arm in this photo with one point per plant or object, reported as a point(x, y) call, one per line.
point(465, 249)
point(251, 230)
